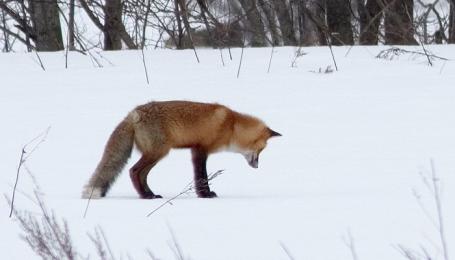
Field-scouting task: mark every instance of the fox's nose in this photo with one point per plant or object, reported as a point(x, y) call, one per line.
point(252, 158)
point(254, 163)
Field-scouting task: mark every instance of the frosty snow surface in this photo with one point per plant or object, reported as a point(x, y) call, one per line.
point(354, 143)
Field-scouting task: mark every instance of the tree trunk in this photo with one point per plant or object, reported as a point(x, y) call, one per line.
point(71, 31)
point(186, 22)
point(256, 26)
point(46, 25)
point(339, 22)
point(370, 19)
point(179, 36)
point(311, 23)
point(452, 22)
point(113, 29)
point(203, 9)
point(286, 24)
point(398, 21)
point(6, 46)
point(112, 25)
point(270, 16)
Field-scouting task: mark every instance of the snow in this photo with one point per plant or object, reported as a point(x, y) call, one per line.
point(354, 142)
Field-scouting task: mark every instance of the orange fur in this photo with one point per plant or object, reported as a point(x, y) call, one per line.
point(157, 127)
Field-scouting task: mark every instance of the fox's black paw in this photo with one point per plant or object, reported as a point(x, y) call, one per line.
point(207, 194)
point(151, 196)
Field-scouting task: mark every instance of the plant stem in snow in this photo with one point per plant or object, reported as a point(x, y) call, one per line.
point(331, 51)
point(349, 241)
point(189, 187)
point(437, 199)
point(22, 161)
point(240, 63)
point(40, 61)
point(221, 56)
point(145, 66)
point(270, 61)
point(426, 54)
point(286, 250)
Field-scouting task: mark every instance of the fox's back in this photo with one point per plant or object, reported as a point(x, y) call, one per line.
point(184, 124)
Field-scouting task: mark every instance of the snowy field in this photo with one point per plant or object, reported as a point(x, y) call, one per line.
point(355, 143)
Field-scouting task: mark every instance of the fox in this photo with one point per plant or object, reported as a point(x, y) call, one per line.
point(159, 126)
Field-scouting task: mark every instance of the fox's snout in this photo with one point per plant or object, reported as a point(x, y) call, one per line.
point(253, 159)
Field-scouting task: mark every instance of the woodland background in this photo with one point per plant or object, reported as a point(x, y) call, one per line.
point(53, 25)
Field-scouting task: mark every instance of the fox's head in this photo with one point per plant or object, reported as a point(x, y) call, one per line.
point(250, 138)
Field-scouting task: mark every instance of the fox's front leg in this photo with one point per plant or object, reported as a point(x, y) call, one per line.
point(199, 157)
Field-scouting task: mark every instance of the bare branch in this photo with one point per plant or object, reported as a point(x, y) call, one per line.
point(188, 188)
point(286, 250)
point(23, 158)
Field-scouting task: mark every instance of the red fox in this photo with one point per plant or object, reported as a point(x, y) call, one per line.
point(157, 127)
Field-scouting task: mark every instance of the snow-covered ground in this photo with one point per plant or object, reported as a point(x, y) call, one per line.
point(354, 142)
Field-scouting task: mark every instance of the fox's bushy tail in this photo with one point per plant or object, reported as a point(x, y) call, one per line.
point(116, 153)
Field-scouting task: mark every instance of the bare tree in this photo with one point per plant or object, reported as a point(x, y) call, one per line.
point(183, 8)
point(46, 25)
point(38, 21)
point(398, 21)
point(269, 15)
point(112, 25)
point(113, 29)
point(339, 22)
point(283, 14)
point(254, 21)
point(370, 14)
point(71, 25)
point(452, 22)
point(311, 21)
point(6, 37)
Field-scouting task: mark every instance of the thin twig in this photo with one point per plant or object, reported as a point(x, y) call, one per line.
point(349, 242)
point(189, 187)
point(331, 51)
point(240, 63)
point(426, 54)
point(145, 66)
point(442, 67)
point(195, 54)
point(40, 61)
point(298, 53)
point(100, 248)
point(176, 246)
point(221, 56)
point(23, 158)
point(88, 201)
point(394, 51)
point(150, 254)
point(55, 229)
point(270, 61)
point(67, 51)
point(348, 51)
point(437, 199)
point(106, 242)
point(423, 208)
point(21, 161)
point(407, 253)
point(286, 250)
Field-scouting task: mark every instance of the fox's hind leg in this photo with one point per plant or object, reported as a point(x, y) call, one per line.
point(199, 157)
point(138, 174)
point(143, 179)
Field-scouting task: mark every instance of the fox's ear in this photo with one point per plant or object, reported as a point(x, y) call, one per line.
point(273, 133)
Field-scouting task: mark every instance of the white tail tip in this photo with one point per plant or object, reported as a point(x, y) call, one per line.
point(91, 193)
